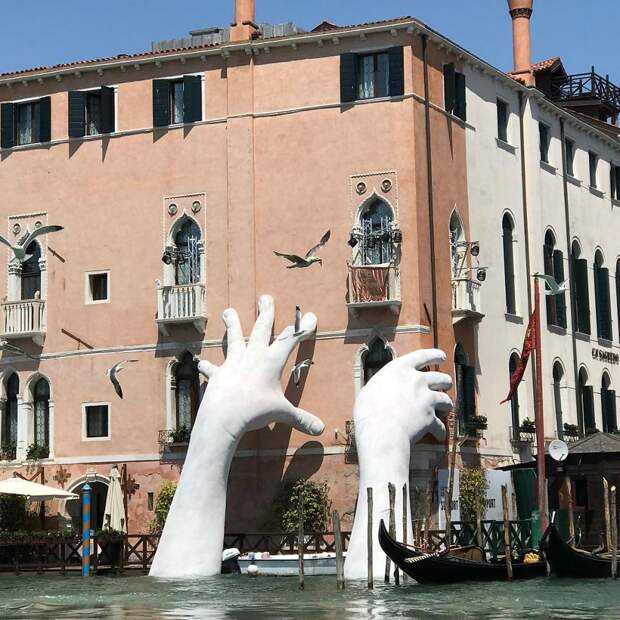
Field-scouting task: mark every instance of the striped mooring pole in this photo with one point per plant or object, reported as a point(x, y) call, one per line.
point(86, 489)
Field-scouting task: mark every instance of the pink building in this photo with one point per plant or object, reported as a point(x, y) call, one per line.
point(176, 174)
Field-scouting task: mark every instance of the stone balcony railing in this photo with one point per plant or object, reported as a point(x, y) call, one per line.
point(181, 304)
point(373, 286)
point(24, 319)
point(466, 299)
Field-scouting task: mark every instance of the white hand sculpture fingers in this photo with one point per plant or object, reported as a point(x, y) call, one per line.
point(285, 343)
point(442, 402)
point(234, 333)
point(261, 333)
point(299, 419)
point(420, 359)
point(437, 380)
point(437, 429)
point(207, 369)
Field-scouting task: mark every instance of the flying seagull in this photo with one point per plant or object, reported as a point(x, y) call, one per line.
point(554, 287)
point(113, 372)
point(309, 258)
point(19, 250)
point(11, 348)
point(296, 372)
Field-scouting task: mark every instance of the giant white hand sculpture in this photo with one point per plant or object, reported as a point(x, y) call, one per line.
point(243, 394)
point(395, 409)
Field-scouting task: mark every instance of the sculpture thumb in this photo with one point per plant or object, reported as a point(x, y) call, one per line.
point(300, 419)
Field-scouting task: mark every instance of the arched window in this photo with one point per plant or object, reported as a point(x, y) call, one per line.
point(9, 422)
point(187, 243)
point(31, 273)
point(554, 266)
point(514, 401)
point(187, 391)
point(465, 388)
point(608, 405)
point(580, 291)
point(509, 264)
point(558, 375)
point(457, 247)
point(586, 402)
point(377, 356)
point(376, 222)
point(602, 297)
point(41, 394)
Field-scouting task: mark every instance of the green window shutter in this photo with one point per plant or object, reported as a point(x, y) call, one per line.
point(587, 395)
point(460, 105)
point(610, 422)
point(603, 303)
point(77, 114)
point(7, 125)
point(192, 98)
point(45, 119)
point(582, 292)
point(161, 103)
point(348, 78)
point(469, 392)
point(107, 110)
point(560, 300)
point(549, 299)
point(449, 93)
point(397, 71)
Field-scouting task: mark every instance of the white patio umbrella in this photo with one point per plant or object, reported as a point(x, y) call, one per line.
point(33, 490)
point(114, 515)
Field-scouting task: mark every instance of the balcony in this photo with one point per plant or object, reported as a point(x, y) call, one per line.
point(373, 286)
point(466, 300)
point(24, 319)
point(181, 304)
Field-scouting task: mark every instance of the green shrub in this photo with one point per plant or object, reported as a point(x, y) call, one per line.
point(162, 505)
point(473, 492)
point(35, 452)
point(316, 506)
point(15, 516)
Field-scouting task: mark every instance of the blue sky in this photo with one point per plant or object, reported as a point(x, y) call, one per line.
point(44, 32)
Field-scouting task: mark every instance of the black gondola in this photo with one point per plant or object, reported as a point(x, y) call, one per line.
point(442, 567)
point(567, 561)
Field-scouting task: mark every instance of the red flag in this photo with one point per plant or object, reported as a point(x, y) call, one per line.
point(529, 343)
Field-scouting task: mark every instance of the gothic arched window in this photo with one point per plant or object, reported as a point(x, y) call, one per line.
point(509, 264)
point(376, 222)
point(465, 388)
point(558, 376)
point(586, 402)
point(608, 405)
point(514, 401)
point(9, 422)
point(554, 266)
point(580, 290)
point(41, 394)
point(187, 265)
point(187, 391)
point(602, 297)
point(31, 273)
point(377, 356)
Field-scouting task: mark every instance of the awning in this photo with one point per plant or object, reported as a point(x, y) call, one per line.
point(33, 490)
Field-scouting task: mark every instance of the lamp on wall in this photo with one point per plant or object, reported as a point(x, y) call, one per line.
point(167, 257)
point(397, 235)
point(474, 248)
point(352, 240)
point(481, 274)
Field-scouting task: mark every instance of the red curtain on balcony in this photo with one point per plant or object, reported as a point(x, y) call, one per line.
point(370, 283)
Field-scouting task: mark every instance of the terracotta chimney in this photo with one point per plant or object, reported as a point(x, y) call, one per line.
point(244, 28)
point(521, 13)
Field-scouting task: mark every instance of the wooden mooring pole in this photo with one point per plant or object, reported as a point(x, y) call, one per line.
point(369, 541)
point(614, 533)
point(405, 503)
point(507, 549)
point(339, 555)
point(391, 526)
point(608, 526)
point(571, 513)
point(479, 536)
point(300, 543)
point(392, 494)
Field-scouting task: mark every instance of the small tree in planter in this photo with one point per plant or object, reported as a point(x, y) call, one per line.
point(316, 506)
point(162, 505)
point(473, 486)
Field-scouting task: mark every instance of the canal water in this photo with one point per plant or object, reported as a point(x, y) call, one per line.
point(232, 597)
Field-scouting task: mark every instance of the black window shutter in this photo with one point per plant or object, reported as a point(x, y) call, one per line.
point(469, 392)
point(560, 300)
point(45, 119)
point(581, 296)
point(192, 98)
point(509, 272)
point(460, 105)
point(618, 295)
point(610, 422)
point(7, 125)
point(550, 299)
point(77, 114)
point(161, 103)
point(348, 78)
point(589, 421)
point(603, 303)
point(397, 71)
point(449, 92)
point(107, 110)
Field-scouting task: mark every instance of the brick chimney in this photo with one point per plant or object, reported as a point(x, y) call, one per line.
point(244, 27)
point(521, 13)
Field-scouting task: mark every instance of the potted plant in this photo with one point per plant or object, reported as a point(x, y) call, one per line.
point(528, 426)
point(571, 430)
point(35, 452)
point(476, 424)
point(180, 435)
point(111, 543)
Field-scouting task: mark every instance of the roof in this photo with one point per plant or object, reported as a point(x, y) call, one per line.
point(596, 444)
point(544, 65)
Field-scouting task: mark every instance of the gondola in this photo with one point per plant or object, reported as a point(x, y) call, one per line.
point(566, 561)
point(445, 567)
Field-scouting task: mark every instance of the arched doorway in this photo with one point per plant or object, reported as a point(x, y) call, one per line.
point(99, 492)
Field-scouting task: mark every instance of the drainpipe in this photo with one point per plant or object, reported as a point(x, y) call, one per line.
point(569, 291)
point(429, 181)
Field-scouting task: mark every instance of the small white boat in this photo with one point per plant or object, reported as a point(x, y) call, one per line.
point(267, 564)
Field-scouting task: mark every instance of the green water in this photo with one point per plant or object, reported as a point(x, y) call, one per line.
point(53, 596)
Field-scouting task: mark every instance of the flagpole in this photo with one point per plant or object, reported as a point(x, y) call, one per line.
point(539, 417)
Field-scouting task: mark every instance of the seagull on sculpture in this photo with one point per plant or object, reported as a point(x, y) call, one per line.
point(112, 373)
point(310, 258)
point(19, 250)
point(296, 372)
point(554, 287)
